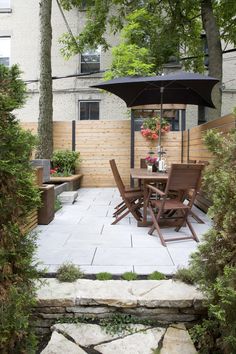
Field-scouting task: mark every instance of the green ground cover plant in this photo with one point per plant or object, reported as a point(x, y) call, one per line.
point(212, 267)
point(57, 205)
point(104, 276)
point(185, 275)
point(156, 276)
point(18, 196)
point(129, 276)
point(68, 272)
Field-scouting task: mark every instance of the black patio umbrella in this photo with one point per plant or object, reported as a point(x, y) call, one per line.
point(179, 87)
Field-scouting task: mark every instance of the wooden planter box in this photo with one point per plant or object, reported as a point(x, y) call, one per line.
point(74, 181)
point(31, 222)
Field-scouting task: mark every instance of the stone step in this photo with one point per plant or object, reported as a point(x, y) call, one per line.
point(162, 301)
point(68, 197)
point(136, 339)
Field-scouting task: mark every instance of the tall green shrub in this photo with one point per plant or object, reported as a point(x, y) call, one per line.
point(18, 196)
point(213, 265)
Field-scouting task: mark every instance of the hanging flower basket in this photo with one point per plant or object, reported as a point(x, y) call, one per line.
point(151, 126)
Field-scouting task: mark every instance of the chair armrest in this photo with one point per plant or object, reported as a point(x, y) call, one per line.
point(156, 190)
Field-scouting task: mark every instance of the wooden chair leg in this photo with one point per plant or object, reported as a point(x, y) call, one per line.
point(117, 212)
point(192, 230)
point(119, 205)
point(157, 227)
point(120, 217)
point(185, 215)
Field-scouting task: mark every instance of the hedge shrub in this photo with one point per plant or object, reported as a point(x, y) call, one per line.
point(213, 265)
point(18, 196)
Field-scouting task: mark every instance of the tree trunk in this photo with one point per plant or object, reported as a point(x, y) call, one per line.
point(215, 56)
point(45, 125)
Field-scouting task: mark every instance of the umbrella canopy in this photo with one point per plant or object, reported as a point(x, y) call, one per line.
point(179, 87)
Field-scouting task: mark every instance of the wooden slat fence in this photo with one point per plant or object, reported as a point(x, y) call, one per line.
point(194, 147)
point(100, 141)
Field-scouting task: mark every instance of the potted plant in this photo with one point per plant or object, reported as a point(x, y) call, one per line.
point(64, 163)
point(151, 161)
point(151, 126)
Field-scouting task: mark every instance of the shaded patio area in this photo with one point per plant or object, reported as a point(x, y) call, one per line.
point(82, 233)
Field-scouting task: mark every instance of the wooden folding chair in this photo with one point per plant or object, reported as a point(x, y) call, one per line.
point(188, 196)
point(132, 199)
point(182, 177)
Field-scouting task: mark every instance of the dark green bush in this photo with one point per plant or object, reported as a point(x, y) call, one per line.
point(65, 162)
point(18, 196)
point(184, 274)
point(213, 265)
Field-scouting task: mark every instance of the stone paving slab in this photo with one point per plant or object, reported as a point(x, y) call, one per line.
point(177, 340)
point(61, 345)
point(138, 339)
point(139, 343)
point(91, 334)
point(82, 233)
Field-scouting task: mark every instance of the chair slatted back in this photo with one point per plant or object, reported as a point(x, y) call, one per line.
point(184, 176)
point(143, 163)
point(117, 177)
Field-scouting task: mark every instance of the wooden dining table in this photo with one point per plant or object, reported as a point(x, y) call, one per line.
point(147, 177)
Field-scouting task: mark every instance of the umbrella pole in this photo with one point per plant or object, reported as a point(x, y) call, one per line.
point(161, 116)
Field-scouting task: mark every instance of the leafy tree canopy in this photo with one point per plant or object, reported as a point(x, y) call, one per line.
point(164, 28)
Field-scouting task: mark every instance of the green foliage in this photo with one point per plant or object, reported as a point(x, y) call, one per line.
point(18, 196)
point(68, 272)
point(130, 60)
point(156, 276)
point(129, 276)
point(185, 275)
point(162, 30)
point(65, 161)
point(156, 351)
point(213, 265)
point(117, 324)
point(103, 276)
point(12, 89)
point(57, 205)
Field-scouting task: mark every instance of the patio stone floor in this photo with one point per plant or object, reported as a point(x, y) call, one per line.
point(82, 233)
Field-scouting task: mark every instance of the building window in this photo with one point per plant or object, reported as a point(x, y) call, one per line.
point(90, 61)
point(5, 43)
point(5, 5)
point(88, 110)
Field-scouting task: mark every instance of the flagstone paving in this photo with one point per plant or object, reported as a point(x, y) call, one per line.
point(82, 233)
point(91, 338)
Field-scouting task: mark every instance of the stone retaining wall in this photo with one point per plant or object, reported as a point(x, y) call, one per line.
point(165, 301)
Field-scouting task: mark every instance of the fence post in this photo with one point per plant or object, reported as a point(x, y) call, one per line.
point(73, 137)
point(188, 145)
point(132, 135)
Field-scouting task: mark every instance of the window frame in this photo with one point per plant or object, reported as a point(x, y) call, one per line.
point(88, 101)
point(9, 37)
point(87, 63)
